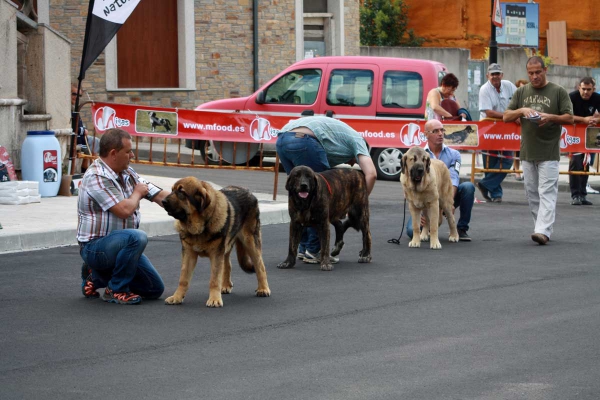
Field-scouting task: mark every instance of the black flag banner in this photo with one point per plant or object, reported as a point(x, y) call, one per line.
point(105, 17)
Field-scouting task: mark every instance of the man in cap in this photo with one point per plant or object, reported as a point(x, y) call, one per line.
point(494, 97)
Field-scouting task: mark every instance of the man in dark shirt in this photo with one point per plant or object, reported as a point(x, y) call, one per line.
point(586, 110)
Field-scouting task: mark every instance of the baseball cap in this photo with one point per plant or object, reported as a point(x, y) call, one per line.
point(494, 68)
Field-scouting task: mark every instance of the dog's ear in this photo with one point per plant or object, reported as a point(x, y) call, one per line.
point(200, 200)
point(403, 164)
point(288, 183)
point(427, 163)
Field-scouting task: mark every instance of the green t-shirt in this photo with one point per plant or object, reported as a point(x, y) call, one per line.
point(541, 143)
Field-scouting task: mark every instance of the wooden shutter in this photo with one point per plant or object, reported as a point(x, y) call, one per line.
point(147, 49)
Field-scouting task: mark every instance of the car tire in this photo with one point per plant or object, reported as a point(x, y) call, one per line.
point(388, 163)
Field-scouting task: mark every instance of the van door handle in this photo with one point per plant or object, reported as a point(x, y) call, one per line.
point(329, 113)
point(306, 113)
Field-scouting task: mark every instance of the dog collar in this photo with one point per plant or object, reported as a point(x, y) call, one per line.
point(327, 183)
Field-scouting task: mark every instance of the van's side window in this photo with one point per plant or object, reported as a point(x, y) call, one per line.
point(350, 87)
point(402, 89)
point(297, 87)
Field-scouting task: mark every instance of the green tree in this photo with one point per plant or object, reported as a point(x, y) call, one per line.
point(383, 23)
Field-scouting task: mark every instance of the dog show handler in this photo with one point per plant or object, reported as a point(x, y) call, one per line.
point(110, 243)
point(321, 143)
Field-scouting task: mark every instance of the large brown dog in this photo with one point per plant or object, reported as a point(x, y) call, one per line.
point(210, 223)
point(316, 199)
point(427, 187)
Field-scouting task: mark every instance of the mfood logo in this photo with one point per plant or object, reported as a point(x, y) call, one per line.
point(106, 118)
point(566, 140)
point(260, 129)
point(411, 135)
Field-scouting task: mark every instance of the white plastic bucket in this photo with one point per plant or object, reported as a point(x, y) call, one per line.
point(41, 161)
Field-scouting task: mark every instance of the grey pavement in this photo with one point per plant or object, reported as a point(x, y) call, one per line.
point(53, 221)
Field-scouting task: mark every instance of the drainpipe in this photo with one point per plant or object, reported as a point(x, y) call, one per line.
point(255, 31)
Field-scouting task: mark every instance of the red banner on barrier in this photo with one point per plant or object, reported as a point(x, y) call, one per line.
point(379, 132)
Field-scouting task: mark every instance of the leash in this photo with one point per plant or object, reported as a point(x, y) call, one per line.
point(397, 241)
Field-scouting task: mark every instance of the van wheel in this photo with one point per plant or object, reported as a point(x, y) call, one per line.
point(206, 148)
point(388, 163)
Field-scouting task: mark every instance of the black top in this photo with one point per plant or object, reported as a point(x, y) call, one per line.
point(583, 108)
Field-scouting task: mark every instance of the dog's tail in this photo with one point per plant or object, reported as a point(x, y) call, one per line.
point(244, 258)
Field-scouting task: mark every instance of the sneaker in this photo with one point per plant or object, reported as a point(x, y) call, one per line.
point(121, 298)
point(301, 255)
point(316, 258)
point(463, 236)
point(496, 199)
point(540, 238)
point(484, 192)
point(87, 285)
point(576, 201)
point(585, 201)
point(591, 190)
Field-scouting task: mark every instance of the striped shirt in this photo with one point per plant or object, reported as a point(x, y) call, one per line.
point(101, 189)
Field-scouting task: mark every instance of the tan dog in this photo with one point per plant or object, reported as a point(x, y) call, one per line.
point(210, 223)
point(427, 187)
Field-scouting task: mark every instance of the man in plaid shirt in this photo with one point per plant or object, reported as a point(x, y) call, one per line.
point(110, 242)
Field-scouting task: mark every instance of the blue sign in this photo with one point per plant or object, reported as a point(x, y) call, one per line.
point(520, 25)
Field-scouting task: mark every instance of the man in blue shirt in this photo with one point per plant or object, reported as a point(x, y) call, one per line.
point(464, 193)
point(322, 143)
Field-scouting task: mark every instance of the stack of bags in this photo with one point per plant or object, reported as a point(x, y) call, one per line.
point(19, 192)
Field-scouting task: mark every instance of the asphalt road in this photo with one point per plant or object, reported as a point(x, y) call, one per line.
point(497, 318)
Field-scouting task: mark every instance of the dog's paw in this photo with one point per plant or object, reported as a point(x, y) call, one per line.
point(337, 248)
point(226, 289)
point(424, 237)
point(414, 243)
point(214, 303)
point(172, 300)
point(285, 265)
point(327, 267)
point(263, 292)
point(435, 245)
point(364, 259)
point(453, 238)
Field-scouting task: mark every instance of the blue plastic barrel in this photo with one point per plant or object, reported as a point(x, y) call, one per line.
point(41, 161)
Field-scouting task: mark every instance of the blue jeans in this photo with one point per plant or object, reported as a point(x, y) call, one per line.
point(463, 200)
point(300, 149)
point(117, 261)
point(493, 180)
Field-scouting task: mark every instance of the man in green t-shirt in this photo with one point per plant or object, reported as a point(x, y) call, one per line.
point(542, 107)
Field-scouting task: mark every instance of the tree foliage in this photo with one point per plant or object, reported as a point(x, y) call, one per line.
point(384, 22)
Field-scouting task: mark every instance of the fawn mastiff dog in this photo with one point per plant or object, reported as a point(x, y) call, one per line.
point(427, 187)
point(210, 223)
point(316, 199)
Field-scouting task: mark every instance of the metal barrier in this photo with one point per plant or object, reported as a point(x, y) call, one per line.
point(475, 169)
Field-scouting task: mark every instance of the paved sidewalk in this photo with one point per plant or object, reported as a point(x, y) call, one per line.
point(53, 221)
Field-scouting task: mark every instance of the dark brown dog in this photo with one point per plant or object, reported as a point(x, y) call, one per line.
point(210, 223)
point(316, 199)
point(459, 136)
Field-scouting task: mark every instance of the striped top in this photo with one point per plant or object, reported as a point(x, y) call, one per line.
point(101, 189)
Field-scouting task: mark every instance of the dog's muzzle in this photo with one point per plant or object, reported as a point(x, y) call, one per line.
point(417, 172)
point(597, 140)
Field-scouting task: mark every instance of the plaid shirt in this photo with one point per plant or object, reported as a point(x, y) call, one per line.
point(101, 189)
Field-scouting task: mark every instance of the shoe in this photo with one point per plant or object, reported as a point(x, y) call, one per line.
point(540, 238)
point(591, 190)
point(301, 255)
point(316, 258)
point(87, 285)
point(576, 201)
point(463, 236)
point(497, 200)
point(484, 192)
point(121, 298)
point(519, 178)
point(585, 201)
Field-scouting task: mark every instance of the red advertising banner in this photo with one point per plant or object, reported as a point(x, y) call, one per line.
point(141, 120)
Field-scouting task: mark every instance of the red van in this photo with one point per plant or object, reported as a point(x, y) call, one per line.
point(345, 87)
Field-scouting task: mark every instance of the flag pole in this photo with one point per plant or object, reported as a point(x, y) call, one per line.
point(75, 119)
